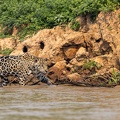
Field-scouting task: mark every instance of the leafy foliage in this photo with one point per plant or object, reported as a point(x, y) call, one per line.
point(115, 78)
point(28, 16)
point(90, 64)
point(6, 51)
point(75, 25)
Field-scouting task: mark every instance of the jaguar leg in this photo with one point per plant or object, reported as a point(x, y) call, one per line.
point(22, 80)
point(4, 81)
point(1, 82)
point(42, 78)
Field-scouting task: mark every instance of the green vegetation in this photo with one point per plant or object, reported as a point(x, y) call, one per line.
point(29, 16)
point(90, 64)
point(6, 51)
point(109, 28)
point(119, 17)
point(75, 25)
point(115, 78)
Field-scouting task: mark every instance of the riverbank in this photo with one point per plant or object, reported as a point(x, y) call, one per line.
point(88, 57)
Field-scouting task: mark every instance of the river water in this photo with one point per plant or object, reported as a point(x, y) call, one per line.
point(59, 103)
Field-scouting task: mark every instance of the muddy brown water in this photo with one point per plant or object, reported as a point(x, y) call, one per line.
point(59, 103)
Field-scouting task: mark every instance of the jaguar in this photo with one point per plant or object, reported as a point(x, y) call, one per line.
point(40, 76)
point(22, 66)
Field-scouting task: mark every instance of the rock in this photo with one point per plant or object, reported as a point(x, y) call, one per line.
point(54, 74)
point(70, 52)
point(57, 71)
point(74, 77)
point(81, 54)
point(8, 43)
point(15, 31)
point(102, 60)
point(60, 65)
point(74, 65)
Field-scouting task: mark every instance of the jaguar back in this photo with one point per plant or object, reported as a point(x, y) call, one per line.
point(32, 61)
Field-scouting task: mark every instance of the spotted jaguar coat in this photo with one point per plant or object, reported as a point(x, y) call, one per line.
point(21, 66)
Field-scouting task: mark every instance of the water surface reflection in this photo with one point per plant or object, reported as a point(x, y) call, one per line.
point(59, 103)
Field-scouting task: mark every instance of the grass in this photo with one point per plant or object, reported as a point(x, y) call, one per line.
point(115, 78)
point(89, 64)
point(75, 25)
point(6, 51)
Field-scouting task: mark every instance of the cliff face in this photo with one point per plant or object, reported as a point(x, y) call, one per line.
point(93, 50)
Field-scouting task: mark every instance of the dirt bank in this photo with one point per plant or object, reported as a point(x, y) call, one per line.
point(88, 57)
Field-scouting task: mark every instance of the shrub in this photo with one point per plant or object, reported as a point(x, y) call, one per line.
point(6, 51)
point(75, 25)
point(89, 64)
point(115, 77)
point(29, 16)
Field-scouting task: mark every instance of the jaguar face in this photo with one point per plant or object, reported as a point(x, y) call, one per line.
point(42, 65)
